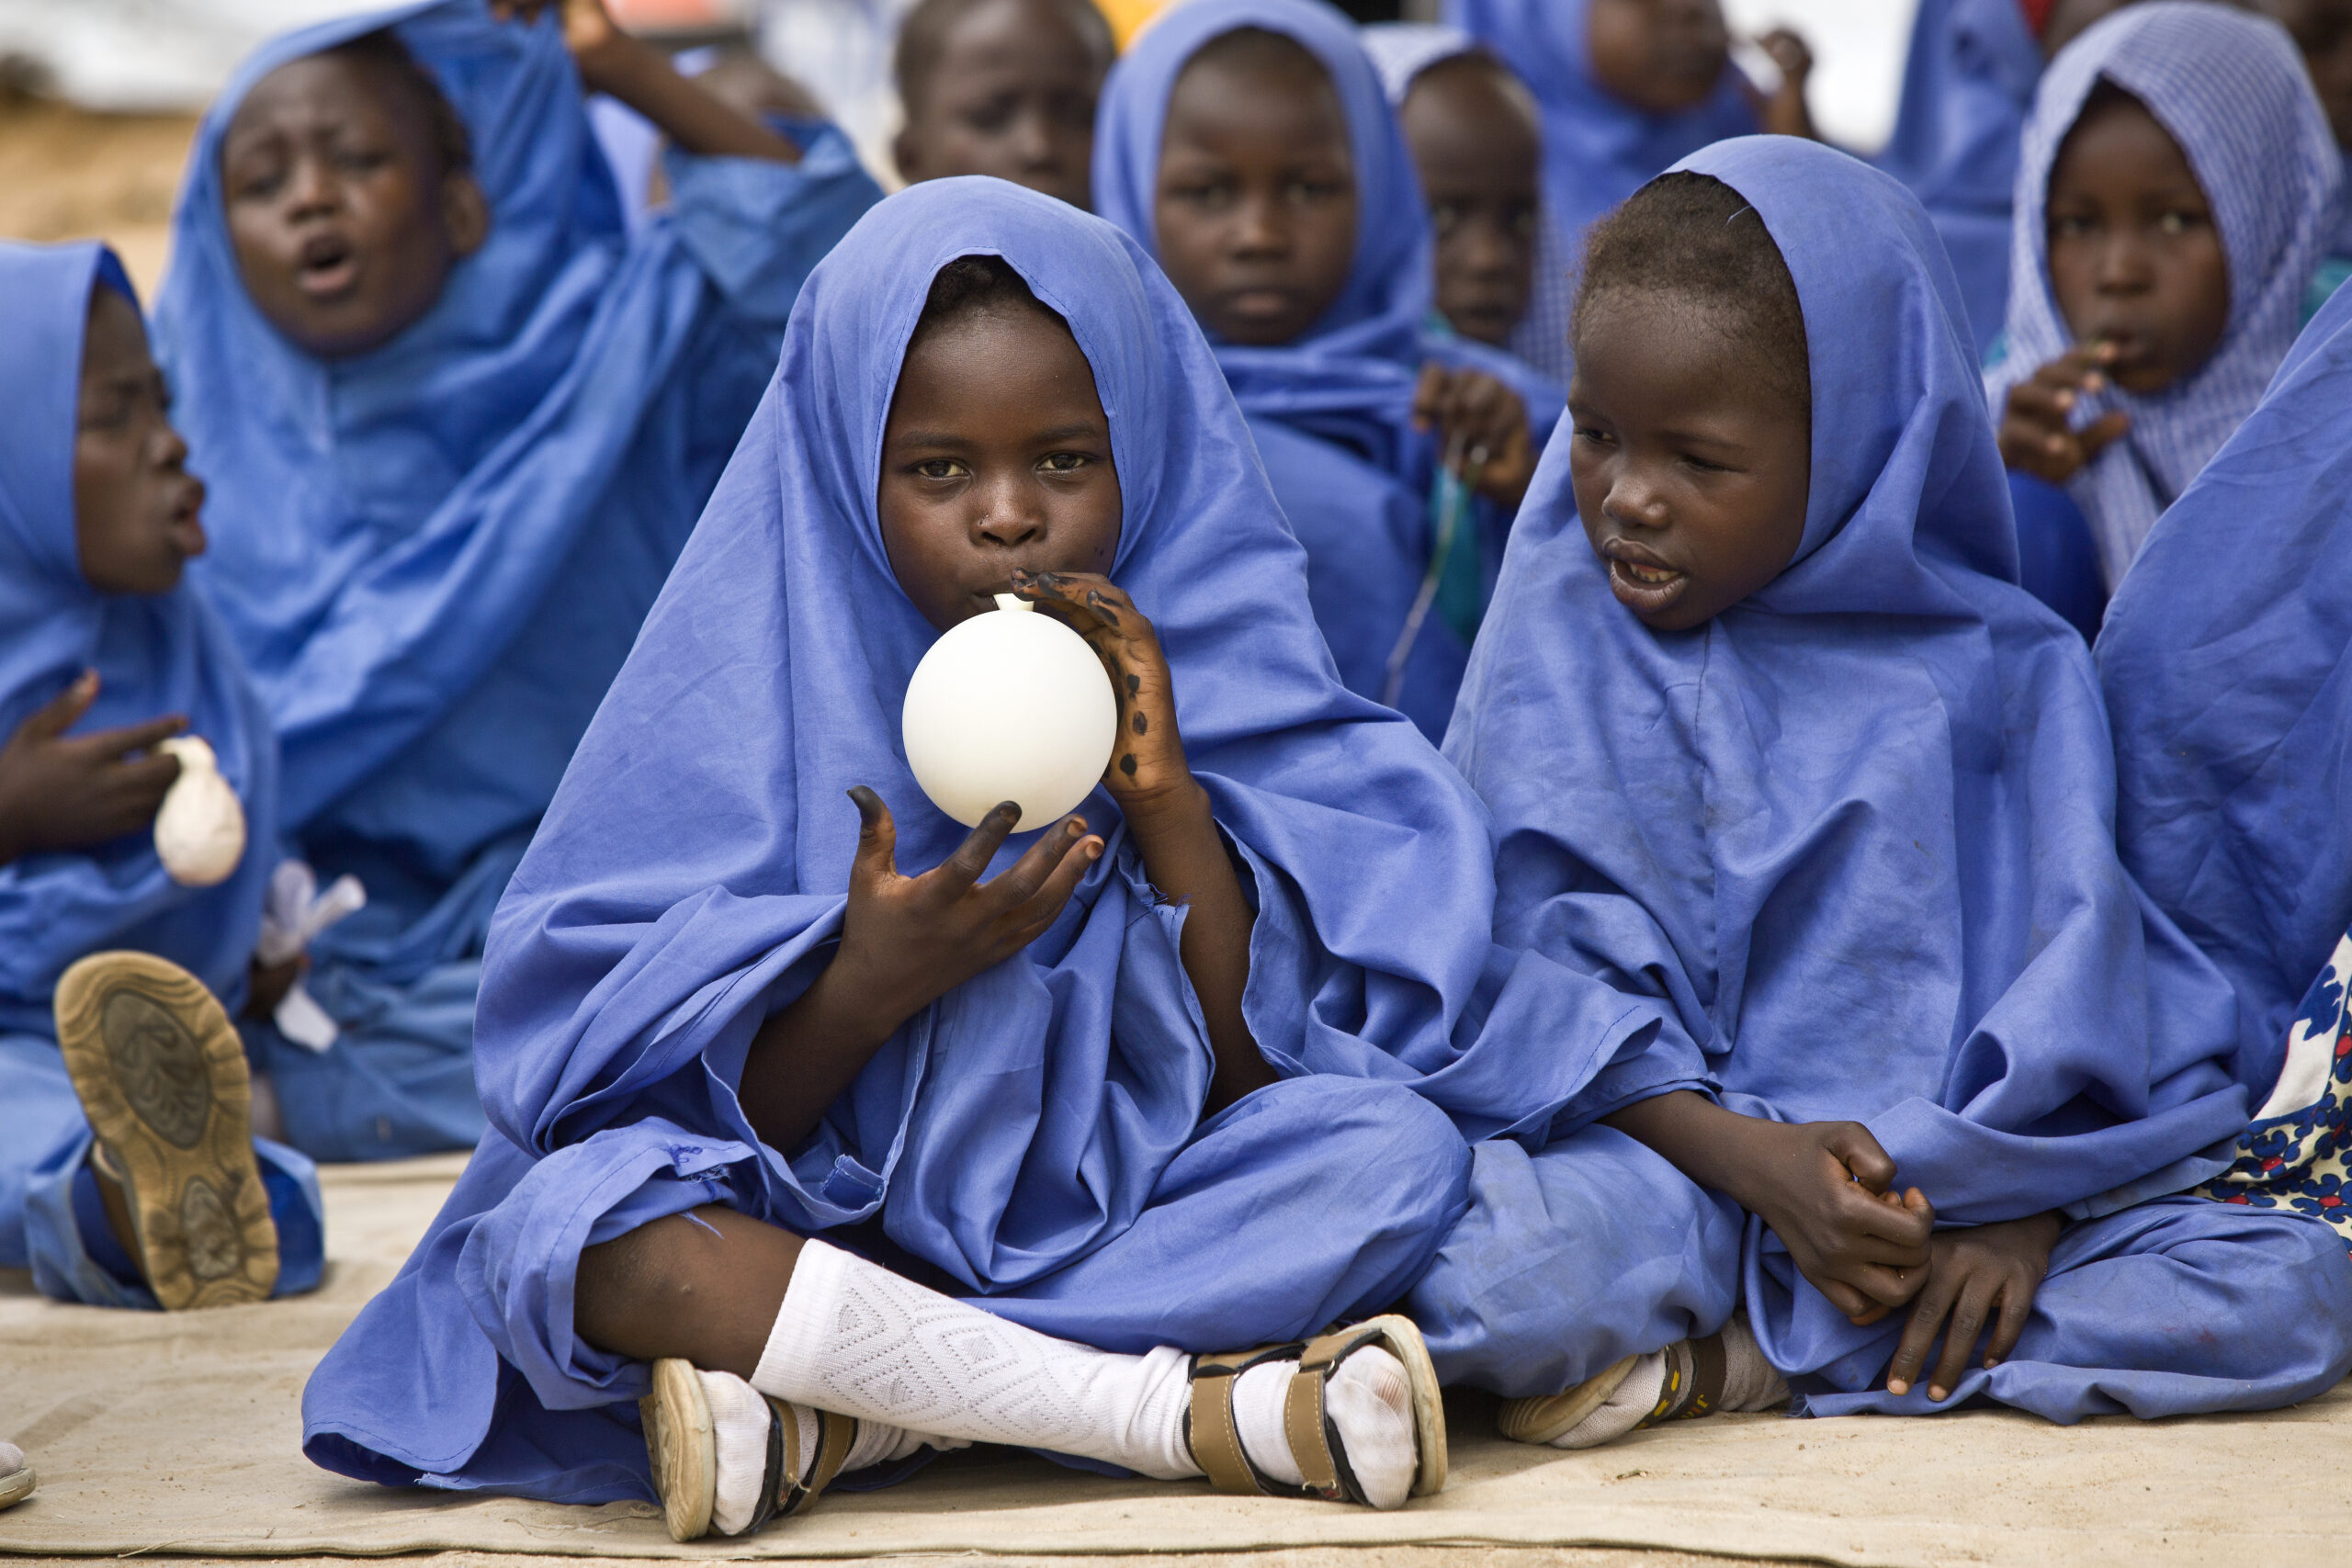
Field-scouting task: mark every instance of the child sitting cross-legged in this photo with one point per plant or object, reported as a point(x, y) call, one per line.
point(1771, 735)
point(833, 1131)
point(458, 423)
point(128, 1173)
point(1249, 144)
point(1001, 87)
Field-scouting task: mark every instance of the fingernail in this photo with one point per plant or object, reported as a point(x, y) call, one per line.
point(2065, 399)
point(1897, 1387)
point(1936, 1394)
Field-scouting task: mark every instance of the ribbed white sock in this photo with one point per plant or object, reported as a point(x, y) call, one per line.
point(738, 1419)
point(857, 1339)
point(1622, 1411)
point(1369, 1399)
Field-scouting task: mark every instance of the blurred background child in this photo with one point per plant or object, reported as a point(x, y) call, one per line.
point(1002, 87)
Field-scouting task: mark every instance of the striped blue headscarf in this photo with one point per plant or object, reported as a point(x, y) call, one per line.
point(2231, 89)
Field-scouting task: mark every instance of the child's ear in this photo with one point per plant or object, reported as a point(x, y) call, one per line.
point(465, 214)
point(905, 150)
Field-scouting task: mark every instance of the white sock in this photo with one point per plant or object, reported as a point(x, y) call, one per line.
point(857, 1339)
point(1622, 1411)
point(1369, 1399)
point(1750, 1383)
point(738, 1419)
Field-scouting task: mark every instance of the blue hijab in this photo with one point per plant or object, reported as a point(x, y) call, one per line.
point(1365, 512)
point(691, 874)
point(1598, 149)
point(1967, 84)
point(153, 656)
point(2225, 657)
point(2231, 90)
point(1857, 830)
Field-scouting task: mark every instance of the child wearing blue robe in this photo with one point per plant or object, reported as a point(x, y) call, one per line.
point(1194, 1107)
point(1770, 734)
point(2224, 662)
point(105, 653)
point(458, 423)
point(2175, 189)
point(1398, 455)
point(1968, 79)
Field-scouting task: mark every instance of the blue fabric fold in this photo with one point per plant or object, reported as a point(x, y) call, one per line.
point(1044, 1116)
point(1332, 412)
point(2223, 659)
point(437, 554)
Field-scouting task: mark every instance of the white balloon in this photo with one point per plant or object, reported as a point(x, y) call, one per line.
point(1010, 706)
point(201, 830)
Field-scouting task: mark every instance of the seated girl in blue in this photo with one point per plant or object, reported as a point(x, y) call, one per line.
point(114, 971)
point(1174, 1079)
point(2176, 185)
point(1770, 734)
point(458, 424)
point(1248, 143)
point(2224, 664)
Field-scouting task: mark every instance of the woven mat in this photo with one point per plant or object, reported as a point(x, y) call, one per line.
point(179, 1434)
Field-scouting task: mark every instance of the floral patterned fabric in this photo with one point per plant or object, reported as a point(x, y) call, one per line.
point(2293, 1154)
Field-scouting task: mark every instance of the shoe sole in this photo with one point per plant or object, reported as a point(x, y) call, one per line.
point(1402, 1338)
point(684, 1448)
point(16, 1487)
point(1540, 1419)
point(162, 1078)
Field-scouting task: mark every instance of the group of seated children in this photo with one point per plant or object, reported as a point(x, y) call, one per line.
point(1786, 988)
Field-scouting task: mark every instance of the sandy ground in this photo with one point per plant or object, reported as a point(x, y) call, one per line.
point(1311, 1557)
point(69, 174)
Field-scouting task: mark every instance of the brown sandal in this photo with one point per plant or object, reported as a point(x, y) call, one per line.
point(1315, 1443)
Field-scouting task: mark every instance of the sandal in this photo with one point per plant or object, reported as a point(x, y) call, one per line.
point(684, 1448)
point(1693, 1387)
point(16, 1477)
point(1315, 1443)
point(161, 1075)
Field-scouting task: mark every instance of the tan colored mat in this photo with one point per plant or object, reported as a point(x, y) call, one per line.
point(179, 1434)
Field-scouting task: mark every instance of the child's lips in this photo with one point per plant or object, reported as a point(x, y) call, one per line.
point(327, 270)
point(1646, 587)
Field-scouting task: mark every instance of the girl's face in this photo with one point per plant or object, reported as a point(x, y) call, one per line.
point(1661, 56)
point(1255, 205)
point(136, 507)
point(1691, 472)
point(996, 456)
point(1479, 148)
point(1012, 93)
point(2135, 257)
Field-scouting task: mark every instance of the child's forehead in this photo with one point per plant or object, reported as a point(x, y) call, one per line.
point(336, 84)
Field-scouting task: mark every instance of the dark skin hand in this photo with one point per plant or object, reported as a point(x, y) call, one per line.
point(1783, 111)
point(1825, 1189)
point(1486, 420)
point(1691, 470)
point(611, 62)
point(72, 793)
point(2036, 435)
point(1478, 143)
point(1010, 92)
point(1985, 1275)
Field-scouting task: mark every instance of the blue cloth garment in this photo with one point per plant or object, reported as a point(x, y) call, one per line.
point(2233, 92)
point(153, 656)
point(437, 554)
point(2224, 663)
point(1967, 83)
point(1400, 52)
point(1857, 830)
point(2057, 559)
point(1598, 149)
point(1332, 412)
point(1035, 1139)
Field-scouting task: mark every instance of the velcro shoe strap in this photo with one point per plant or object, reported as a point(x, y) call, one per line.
point(1209, 1427)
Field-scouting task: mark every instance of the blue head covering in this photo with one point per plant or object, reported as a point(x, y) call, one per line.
point(1400, 52)
point(387, 520)
point(1598, 149)
point(1351, 376)
point(1967, 84)
point(2233, 92)
point(1857, 828)
point(153, 656)
point(692, 871)
point(2225, 657)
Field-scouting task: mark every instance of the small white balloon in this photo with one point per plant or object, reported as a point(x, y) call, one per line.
point(1010, 706)
point(201, 830)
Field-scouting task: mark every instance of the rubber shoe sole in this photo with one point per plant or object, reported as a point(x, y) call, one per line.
point(1540, 1419)
point(683, 1447)
point(161, 1078)
point(18, 1486)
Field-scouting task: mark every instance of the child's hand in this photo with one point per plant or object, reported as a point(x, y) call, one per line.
point(1148, 767)
point(61, 793)
point(589, 31)
point(1823, 1189)
point(908, 940)
point(1973, 1271)
point(1783, 112)
point(2035, 436)
point(1486, 419)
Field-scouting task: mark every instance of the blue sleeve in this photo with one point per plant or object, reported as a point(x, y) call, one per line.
point(757, 229)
